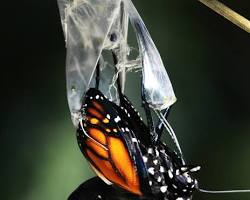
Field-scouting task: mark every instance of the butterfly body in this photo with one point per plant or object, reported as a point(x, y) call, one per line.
point(117, 144)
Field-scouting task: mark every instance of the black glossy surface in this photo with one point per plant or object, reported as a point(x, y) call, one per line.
point(96, 189)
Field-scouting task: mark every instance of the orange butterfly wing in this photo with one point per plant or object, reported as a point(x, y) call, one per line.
point(99, 137)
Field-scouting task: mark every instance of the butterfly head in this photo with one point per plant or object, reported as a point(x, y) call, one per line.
point(183, 184)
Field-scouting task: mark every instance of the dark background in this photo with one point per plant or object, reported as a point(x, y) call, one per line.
point(207, 59)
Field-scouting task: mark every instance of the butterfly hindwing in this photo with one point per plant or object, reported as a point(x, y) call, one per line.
point(135, 121)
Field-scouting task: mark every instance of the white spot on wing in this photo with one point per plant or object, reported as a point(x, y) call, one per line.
point(151, 170)
point(145, 159)
point(134, 140)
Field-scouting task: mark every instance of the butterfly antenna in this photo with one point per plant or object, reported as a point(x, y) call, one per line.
point(222, 191)
point(150, 122)
point(171, 133)
point(164, 123)
point(160, 127)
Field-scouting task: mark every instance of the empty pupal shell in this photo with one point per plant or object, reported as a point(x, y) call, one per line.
point(158, 90)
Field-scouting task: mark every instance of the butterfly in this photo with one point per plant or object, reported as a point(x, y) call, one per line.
point(118, 146)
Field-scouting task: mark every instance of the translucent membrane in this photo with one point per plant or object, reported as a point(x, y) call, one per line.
point(86, 24)
point(91, 26)
point(157, 86)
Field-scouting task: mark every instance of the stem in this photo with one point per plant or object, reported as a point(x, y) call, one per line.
point(228, 13)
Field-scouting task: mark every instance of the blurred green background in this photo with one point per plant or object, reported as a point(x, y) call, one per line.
point(208, 62)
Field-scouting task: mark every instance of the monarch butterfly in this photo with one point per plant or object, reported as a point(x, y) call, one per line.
point(126, 152)
point(119, 148)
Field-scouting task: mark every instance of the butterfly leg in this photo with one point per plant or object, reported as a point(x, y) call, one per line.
point(115, 59)
point(150, 122)
point(97, 78)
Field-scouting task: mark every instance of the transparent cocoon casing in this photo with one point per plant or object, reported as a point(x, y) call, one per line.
point(87, 25)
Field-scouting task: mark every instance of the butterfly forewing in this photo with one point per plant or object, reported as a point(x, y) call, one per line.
point(108, 142)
